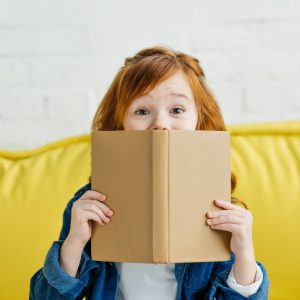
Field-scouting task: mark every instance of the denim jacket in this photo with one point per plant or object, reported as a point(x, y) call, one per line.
point(97, 280)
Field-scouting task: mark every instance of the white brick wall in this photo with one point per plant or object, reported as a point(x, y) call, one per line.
point(57, 58)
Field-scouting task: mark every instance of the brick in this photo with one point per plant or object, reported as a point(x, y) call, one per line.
point(14, 71)
point(71, 105)
point(261, 64)
point(37, 41)
point(229, 96)
point(279, 35)
point(31, 134)
point(268, 97)
point(223, 37)
point(218, 66)
point(242, 11)
point(46, 13)
point(162, 34)
point(86, 72)
point(21, 104)
point(296, 97)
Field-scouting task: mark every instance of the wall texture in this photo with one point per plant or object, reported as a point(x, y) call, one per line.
point(57, 58)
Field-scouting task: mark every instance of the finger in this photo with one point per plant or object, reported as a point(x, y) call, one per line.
point(107, 211)
point(225, 227)
point(217, 213)
point(225, 219)
point(90, 215)
point(94, 208)
point(90, 194)
point(227, 205)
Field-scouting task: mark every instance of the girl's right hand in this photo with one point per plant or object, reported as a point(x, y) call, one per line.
point(88, 207)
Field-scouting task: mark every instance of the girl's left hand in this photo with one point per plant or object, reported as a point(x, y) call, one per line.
point(236, 220)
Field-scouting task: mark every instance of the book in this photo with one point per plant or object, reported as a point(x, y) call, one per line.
point(160, 185)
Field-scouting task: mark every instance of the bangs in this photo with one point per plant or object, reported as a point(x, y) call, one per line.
point(141, 78)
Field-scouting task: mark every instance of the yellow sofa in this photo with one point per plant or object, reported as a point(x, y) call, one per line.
point(35, 186)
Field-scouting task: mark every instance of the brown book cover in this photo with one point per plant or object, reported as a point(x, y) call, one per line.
point(160, 184)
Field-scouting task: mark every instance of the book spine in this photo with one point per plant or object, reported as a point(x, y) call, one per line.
point(160, 193)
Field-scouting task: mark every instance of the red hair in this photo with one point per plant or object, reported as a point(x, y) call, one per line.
point(144, 71)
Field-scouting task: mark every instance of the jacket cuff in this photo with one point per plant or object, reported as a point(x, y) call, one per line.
point(220, 286)
point(63, 282)
point(245, 290)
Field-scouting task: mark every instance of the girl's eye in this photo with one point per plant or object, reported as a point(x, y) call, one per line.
point(144, 112)
point(141, 110)
point(178, 108)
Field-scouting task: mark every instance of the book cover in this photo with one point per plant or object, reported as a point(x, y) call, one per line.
point(160, 185)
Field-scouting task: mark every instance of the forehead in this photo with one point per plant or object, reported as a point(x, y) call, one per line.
point(176, 85)
point(177, 81)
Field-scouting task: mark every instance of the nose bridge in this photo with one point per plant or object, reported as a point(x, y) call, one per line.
point(160, 121)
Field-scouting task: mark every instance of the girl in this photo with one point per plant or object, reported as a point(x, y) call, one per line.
point(157, 88)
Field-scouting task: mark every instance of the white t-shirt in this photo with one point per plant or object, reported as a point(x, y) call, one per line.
point(146, 281)
point(157, 281)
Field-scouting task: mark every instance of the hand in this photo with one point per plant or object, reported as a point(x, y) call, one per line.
point(236, 220)
point(88, 207)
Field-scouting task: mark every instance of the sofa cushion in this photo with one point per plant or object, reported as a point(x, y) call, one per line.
point(35, 186)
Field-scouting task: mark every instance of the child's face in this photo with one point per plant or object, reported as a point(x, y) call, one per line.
point(170, 105)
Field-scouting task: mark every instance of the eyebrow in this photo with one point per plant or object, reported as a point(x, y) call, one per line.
point(174, 94)
point(180, 95)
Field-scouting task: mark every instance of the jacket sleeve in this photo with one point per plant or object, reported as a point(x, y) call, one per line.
point(51, 281)
point(246, 290)
point(220, 289)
